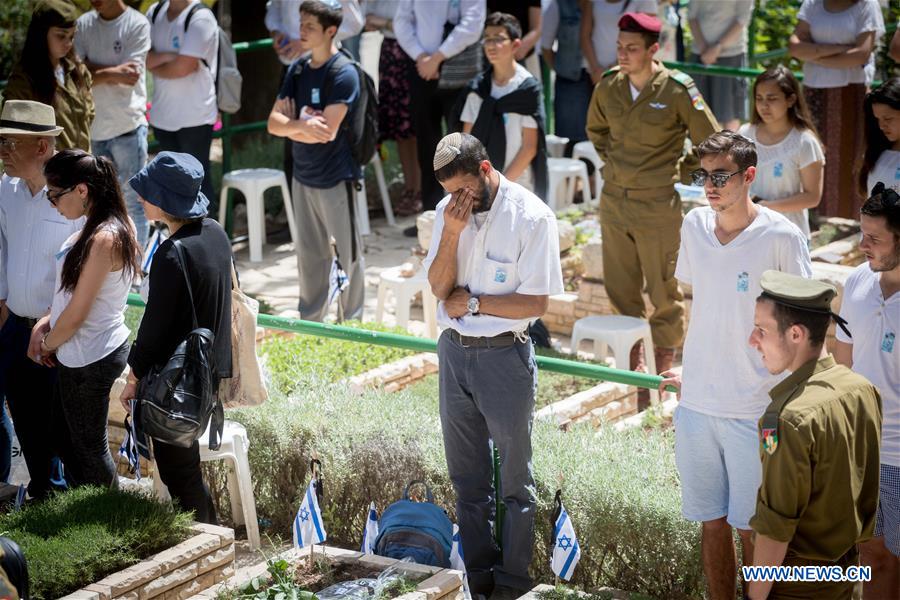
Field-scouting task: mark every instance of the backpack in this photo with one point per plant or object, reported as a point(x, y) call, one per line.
point(362, 120)
point(177, 400)
point(228, 78)
point(421, 531)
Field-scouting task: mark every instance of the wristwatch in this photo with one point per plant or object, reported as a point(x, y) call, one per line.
point(473, 305)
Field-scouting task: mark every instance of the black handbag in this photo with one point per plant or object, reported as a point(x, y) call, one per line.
point(457, 71)
point(177, 400)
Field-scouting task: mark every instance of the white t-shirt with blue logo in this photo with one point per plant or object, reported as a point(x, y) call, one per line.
point(778, 168)
point(886, 170)
point(874, 323)
point(722, 375)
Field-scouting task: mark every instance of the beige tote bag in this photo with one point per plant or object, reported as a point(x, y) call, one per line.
point(247, 386)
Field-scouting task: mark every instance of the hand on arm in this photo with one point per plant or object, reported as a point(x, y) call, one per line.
point(811, 178)
point(855, 55)
point(180, 66)
point(127, 73)
point(801, 45)
point(429, 66)
point(442, 273)
point(157, 59)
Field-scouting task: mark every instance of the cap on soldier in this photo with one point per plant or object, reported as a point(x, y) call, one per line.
point(65, 11)
point(447, 150)
point(639, 23)
point(798, 292)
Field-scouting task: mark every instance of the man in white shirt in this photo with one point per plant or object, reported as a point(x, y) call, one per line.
point(493, 263)
point(725, 248)
point(184, 59)
point(31, 234)
point(113, 40)
point(871, 306)
point(419, 27)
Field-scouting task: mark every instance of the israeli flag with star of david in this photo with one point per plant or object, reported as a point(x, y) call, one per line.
point(308, 525)
point(370, 532)
point(457, 562)
point(566, 551)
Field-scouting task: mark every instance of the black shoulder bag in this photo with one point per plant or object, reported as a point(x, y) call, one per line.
point(176, 400)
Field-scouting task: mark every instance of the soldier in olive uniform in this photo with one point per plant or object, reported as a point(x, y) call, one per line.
point(820, 439)
point(638, 119)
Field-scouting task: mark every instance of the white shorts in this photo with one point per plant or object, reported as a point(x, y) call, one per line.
point(719, 464)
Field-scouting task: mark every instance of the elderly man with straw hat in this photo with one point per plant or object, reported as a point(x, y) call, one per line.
point(31, 233)
point(493, 263)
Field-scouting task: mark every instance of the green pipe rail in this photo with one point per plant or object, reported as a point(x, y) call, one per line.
point(408, 342)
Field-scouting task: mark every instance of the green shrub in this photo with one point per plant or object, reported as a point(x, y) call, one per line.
point(77, 537)
point(292, 360)
point(621, 488)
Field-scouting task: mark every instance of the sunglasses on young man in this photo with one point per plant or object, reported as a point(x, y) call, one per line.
point(719, 180)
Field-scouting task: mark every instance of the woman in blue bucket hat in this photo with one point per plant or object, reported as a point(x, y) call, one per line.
point(169, 189)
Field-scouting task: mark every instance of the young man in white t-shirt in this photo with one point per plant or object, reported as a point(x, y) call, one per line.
point(510, 124)
point(113, 40)
point(183, 60)
point(725, 248)
point(871, 307)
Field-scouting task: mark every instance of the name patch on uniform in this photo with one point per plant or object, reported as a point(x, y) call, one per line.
point(887, 344)
point(314, 96)
point(500, 275)
point(743, 282)
point(770, 440)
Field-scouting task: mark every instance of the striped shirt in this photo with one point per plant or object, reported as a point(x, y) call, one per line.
point(31, 233)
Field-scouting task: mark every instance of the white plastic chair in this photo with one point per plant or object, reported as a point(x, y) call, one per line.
point(556, 145)
point(585, 150)
point(404, 290)
point(619, 333)
point(240, 486)
point(362, 204)
point(252, 183)
point(561, 185)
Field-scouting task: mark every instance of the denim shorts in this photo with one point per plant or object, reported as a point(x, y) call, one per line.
point(887, 519)
point(719, 464)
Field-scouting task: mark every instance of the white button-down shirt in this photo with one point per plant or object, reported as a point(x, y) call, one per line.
point(419, 25)
point(514, 251)
point(31, 233)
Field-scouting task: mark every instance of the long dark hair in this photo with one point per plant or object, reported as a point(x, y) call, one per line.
point(71, 167)
point(35, 58)
point(798, 114)
point(876, 142)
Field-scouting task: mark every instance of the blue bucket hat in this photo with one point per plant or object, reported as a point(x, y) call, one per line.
point(171, 181)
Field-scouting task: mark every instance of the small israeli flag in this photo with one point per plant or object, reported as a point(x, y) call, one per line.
point(308, 525)
point(129, 449)
point(20, 497)
point(457, 562)
point(566, 551)
point(370, 532)
point(337, 281)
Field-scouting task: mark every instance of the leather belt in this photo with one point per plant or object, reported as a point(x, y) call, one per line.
point(27, 320)
point(654, 193)
point(502, 340)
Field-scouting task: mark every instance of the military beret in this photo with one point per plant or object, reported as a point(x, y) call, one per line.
point(63, 8)
point(639, 23)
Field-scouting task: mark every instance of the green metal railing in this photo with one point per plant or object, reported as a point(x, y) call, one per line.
point(408, 342)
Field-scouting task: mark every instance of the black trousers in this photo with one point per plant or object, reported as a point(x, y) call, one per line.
point(195, 141)
point(430, 106)
point(33, 405)
point(84, 397)
point(179, 469)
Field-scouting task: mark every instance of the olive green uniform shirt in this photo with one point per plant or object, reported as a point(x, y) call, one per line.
point(819, 488)
point(73, 104)
point(641, 141)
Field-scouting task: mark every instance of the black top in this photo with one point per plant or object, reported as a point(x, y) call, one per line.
point(167, 319)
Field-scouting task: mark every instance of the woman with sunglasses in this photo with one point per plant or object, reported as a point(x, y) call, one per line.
point(791, 167)
point(85, 331)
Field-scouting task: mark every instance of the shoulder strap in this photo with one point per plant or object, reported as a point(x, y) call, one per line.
point(179, 254)
point(191, 12)
point(156, 11)
point(428, 495)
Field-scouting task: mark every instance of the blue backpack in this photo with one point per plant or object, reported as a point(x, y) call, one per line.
point(421, 531)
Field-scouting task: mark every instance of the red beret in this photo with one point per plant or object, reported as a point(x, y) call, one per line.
point(639, 22)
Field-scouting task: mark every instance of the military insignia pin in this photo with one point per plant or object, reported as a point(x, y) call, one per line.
point(770, 440)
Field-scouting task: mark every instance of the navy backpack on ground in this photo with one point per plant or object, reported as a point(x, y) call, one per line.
point(421, 531)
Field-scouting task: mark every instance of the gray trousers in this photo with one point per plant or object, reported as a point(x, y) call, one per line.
point(321, 214)
point(488, 394)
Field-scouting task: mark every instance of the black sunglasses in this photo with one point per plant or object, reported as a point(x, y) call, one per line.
point(719, 180)
point(54, 198)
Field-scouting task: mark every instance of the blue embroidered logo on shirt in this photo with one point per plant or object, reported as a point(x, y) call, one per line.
point(887, 344)
point(176, 43)
point(743, 282)
point(500, 275)
point(315, 95)
point(897, 174)
point(779, 169)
